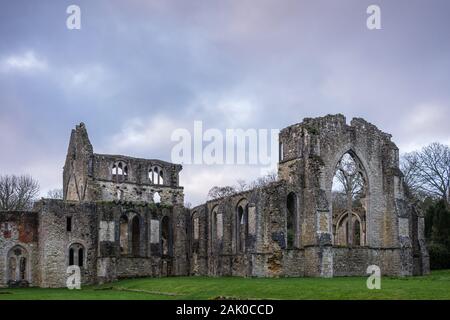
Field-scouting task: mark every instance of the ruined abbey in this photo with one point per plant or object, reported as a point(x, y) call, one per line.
point(125, 217)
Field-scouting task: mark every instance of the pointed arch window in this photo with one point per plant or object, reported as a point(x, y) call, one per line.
point(119, 171)
point(135, 235)
point(156, 175)
point(76, 255)
point(291, 221)
point(123, 235)
point(216, 224)
point(166, 236)
point(349, 201)
point(241, 226)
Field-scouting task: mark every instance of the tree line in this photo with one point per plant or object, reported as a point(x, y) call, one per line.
point(427, 177)
point(19, 192)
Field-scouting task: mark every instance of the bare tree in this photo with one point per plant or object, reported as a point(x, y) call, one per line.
point(241, 185)
point(428, 171)
point(17, 192)
point(349, 186)
point(55, 194)
point(219, 192)
point(264, 180)
point(349, 178)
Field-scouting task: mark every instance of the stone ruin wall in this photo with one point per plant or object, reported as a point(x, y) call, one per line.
point(19, 229)
point(309, 154)
point(202, 243)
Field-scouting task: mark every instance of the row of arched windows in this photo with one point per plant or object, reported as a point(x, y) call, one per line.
point(156, 175)
point(119, 173)
point(241, 226)
point(130, 236)
point(241, 231)
point(349, 205)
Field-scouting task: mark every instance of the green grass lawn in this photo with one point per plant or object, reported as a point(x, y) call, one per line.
point(434, 286)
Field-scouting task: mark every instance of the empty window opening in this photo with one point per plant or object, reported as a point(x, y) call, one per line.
point(166, 237)
point(342, 227)
point(156, 175)
point(291, 220)
point(23, 265)
point(12, 268)
point(217, 224)
point(349, 201)
point(80, 257)
point(76, 255)
point(156, 197)
point(123, 236)
point(71, 257)
point(196, 226)
point(281, 151)
point(241, 227)
point(69, 224)
point(135, 236)
point(119, 171)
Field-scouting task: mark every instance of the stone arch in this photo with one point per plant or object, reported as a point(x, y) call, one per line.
point(136, 235)
point(166, 236)
point(357, 197)
point(195, 223)
point(195, 231)
point(216, 223)
point(292, 216)
point(241, 230)
point(76, 254)
point(119, 171)
point(331, 168)
point(18, 265)
point(341, 229)
point(123, 234)
point(156, 174)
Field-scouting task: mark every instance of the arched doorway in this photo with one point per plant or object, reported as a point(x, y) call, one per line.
point(17, 265)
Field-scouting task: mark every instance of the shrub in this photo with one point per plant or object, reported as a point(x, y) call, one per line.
point(439, 256)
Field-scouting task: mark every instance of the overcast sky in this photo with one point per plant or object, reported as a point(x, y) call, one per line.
point(139, 69)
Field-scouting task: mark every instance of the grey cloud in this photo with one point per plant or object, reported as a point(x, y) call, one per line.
point(258, 64)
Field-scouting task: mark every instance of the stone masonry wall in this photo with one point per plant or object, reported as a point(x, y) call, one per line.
point(19, 229)
point(55, 240)
point(310, 152)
